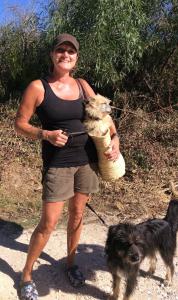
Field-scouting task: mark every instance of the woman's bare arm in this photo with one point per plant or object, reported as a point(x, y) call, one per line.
point(26, 110)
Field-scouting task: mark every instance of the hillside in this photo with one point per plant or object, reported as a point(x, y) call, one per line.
point(149, 143)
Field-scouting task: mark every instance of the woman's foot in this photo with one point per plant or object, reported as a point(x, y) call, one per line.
point(28, 291)
point(75, 276)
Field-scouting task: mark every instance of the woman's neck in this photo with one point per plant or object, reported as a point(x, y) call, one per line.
point(62, 77)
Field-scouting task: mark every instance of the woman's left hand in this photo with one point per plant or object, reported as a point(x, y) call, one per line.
point(113, 152)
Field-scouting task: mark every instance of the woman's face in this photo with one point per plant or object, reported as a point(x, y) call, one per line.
point(64, 57)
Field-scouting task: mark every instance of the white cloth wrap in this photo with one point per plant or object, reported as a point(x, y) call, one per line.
point(109, 169)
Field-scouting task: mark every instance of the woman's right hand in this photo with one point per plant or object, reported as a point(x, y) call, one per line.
point(57, 137)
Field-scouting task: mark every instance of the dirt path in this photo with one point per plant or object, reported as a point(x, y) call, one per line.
point(49, 273)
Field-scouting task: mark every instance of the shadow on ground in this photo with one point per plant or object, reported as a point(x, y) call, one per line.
point(89, 257)
point(52, 275)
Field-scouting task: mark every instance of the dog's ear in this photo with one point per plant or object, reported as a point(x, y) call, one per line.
point(114, 232)
point(118, 229)
point(109, 241)
point(114, 229)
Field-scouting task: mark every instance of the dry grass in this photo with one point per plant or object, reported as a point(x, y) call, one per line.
point(149, 144)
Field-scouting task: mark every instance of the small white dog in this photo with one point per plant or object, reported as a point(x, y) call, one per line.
point(97, 123)
point(97, 119)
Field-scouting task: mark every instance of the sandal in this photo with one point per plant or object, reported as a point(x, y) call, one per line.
point(28, 291)
point(75, 276)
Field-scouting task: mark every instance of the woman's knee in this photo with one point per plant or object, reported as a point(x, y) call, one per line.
point(76, 214)
point(76, 211)
point(46, 227)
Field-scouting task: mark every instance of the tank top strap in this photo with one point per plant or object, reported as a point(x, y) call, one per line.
point(45, 84)
point(81, 89)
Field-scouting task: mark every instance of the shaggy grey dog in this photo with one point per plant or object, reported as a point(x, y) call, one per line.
point(128, 244)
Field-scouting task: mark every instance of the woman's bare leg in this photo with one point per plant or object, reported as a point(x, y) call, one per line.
point(50, 215)
point(76, 209)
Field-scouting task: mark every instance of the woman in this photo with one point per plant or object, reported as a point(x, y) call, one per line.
point(68, 154)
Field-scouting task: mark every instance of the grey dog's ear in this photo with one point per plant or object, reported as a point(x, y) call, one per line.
point(112, 229)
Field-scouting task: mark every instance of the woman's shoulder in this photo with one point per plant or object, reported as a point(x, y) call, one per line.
point(34, 92)
point(36, 85)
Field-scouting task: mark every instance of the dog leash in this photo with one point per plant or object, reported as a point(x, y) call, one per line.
point(99, 217)
point(67, 133)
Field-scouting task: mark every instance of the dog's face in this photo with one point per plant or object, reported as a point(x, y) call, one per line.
point(98, 107)
point(125, 245)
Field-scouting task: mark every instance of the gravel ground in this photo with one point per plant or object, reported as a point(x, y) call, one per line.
point(49, 272)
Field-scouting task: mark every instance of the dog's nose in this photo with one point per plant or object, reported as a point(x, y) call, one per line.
point(135, 258)
point(105, 107)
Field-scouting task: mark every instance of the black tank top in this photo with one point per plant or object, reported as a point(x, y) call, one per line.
point(56, 113)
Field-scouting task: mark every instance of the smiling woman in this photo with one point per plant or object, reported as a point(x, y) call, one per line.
point(68, 153)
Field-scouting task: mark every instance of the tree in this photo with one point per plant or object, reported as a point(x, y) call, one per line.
point(20, 44)
point(126, 46)
point(109, 34)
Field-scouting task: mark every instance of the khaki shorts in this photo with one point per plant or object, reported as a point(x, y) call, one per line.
point(60, 184)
